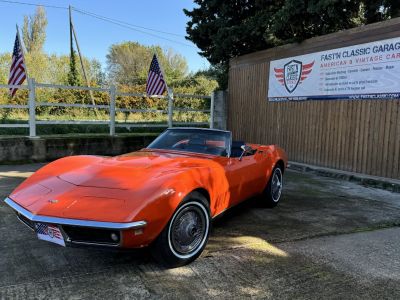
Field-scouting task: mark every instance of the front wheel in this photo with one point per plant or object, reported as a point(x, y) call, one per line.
point(186, 234)
point(273, 191)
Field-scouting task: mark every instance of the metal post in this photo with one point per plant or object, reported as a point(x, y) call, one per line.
point(170, 107)
point(32, 108)
point(112, 110)
point(212, 108)
point(73, 33)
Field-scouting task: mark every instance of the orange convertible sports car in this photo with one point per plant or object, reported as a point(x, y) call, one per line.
point(163, 196)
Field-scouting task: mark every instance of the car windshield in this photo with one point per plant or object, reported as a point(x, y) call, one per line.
point(205, 141)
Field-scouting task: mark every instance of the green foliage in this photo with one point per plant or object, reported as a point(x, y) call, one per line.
point(197, 84)
point(34, 30)
point(226, 29)
point(379, 10)
point(217, 73)
point(5, 61)
point(73, 78)
point(128, 63)
point(299, 20)
point(52, 68)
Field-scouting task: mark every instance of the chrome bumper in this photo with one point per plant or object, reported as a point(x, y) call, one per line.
point(73, 222)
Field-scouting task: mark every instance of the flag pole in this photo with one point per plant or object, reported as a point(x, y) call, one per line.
point(22, 51)
point(73, 33)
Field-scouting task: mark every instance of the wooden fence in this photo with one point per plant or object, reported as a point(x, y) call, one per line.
point(353, 135)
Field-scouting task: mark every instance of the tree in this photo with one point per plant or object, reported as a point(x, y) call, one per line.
point(5, 59)
point(128, 63)
point(216, 73)
point(95, 72)
point(73, 78)
point(226, 29)
point(34, 30)
point(379, 10)
point(174, 65)
point(300, 20)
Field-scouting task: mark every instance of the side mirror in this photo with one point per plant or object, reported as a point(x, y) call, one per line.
point(245, 149)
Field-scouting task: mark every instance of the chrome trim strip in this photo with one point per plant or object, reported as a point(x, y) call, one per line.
point(23, 222)
point(73, 222)
point(94, 244)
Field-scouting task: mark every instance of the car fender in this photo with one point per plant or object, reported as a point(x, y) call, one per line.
point(159, 209)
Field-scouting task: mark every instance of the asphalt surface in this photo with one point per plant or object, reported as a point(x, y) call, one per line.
point(328, 239)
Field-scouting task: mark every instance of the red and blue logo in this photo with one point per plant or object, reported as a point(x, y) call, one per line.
point(293, 73)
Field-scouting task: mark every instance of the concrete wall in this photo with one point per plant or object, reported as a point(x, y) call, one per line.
point(220, 110)
point(50, 148)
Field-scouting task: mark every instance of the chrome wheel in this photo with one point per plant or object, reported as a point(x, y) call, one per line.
point(276, 185)
point(188, 229)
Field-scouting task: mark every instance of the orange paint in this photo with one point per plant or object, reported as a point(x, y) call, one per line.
point(147, 185)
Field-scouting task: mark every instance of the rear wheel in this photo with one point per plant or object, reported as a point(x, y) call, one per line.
point(186, 234)
point(273, 191)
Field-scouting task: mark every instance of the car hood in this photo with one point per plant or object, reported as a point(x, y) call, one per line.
point(89, 187)
point(130, 171)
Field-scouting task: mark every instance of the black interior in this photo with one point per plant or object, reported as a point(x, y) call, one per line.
point(236, 151)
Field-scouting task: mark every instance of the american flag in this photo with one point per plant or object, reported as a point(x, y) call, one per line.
point(155, 80)
point(18, 69)
point(50, 230)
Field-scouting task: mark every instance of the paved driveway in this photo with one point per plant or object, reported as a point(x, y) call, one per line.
point(327, 239)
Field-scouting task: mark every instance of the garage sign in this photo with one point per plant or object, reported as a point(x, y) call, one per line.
point(365, 71)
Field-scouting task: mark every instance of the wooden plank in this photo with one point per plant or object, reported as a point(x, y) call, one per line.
point(350, 135)
point(363, 130)
point(323, 133)
point(327, 135)
point(298, 132)
point(317, 131)
point(392, 139)
point(333, 142)
point(344, 143)
point(396, 152)
point(342, 135)
point(385, 143)
point(376, 145)
point(334, 161)
point(367, 137)
point(311, 137)
point(372, 139)
point(381, 138)
point(255, 100)
point(316, 126)
point(356, 138)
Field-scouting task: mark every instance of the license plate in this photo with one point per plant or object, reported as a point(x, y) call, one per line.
point(50, 233)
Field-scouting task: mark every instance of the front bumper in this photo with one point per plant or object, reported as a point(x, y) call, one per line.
point(79, 232)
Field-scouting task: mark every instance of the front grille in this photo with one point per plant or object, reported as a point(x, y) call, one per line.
point(26, 221)
point(88, 235)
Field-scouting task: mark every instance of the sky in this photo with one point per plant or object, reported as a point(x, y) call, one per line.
point(95, 36)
